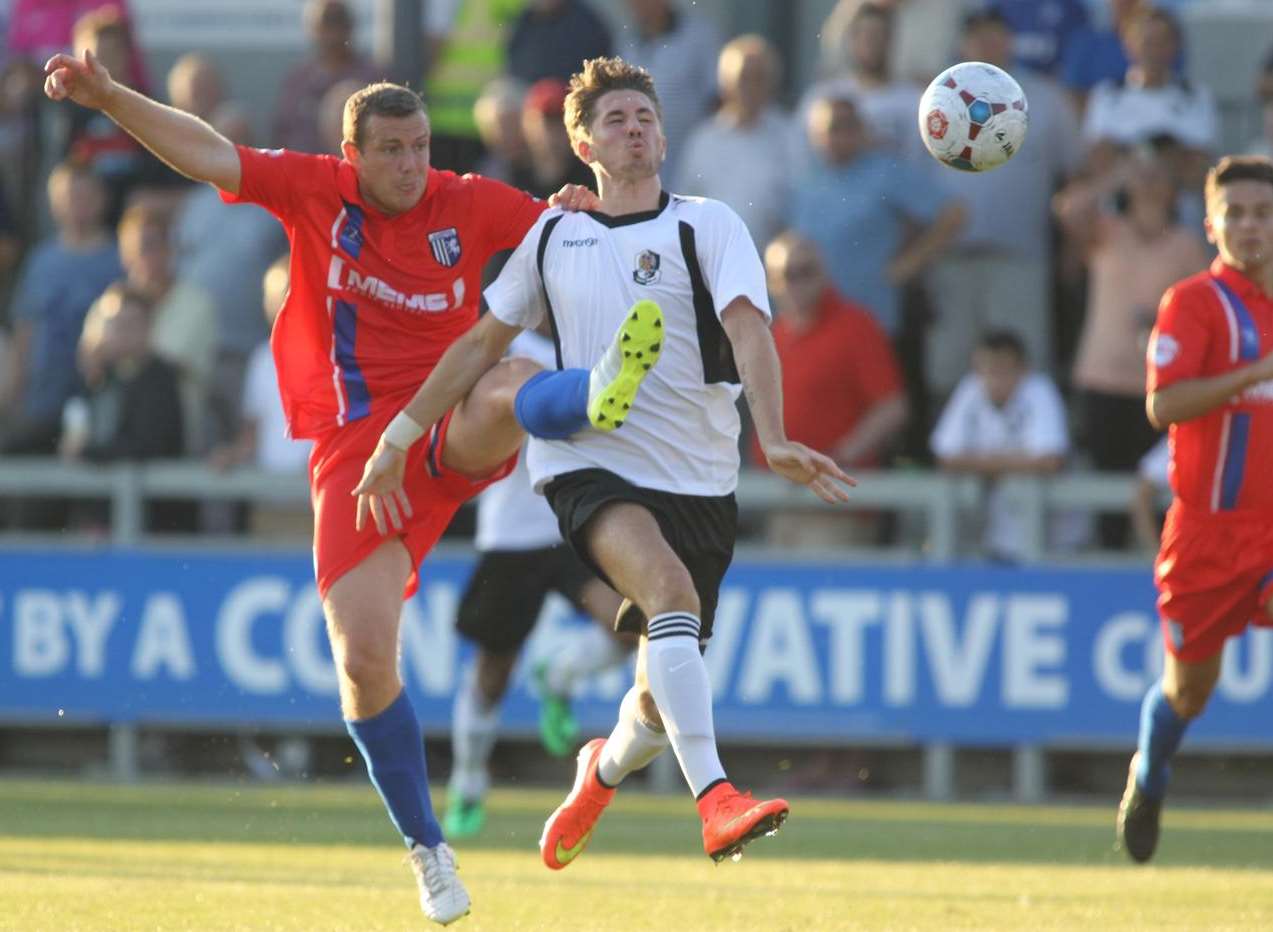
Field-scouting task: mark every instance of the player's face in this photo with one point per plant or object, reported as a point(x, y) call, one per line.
point(393, 163)
point(1240, 224)
point(625, 137)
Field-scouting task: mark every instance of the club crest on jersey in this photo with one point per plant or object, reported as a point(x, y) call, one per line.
point(647, 268)
point(446, 246)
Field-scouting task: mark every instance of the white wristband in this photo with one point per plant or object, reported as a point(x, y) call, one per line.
point(402, 431)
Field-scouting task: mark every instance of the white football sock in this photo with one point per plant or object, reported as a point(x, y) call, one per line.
point(679, 682)
point(589, 652)
point(632, 744)
point(473, 728)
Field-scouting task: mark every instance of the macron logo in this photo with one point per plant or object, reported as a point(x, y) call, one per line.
point(580, 243)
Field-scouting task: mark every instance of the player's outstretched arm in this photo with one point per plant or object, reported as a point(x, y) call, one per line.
point(1195, 397)
point(181, 140)
point(761, 375)
point(380, 493)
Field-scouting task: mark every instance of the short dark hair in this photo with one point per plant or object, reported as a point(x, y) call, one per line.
point(380, 99)
point(987, 17)
point(872, 10)
point(1237, 168)
point(599, 77)
point(1003, 341)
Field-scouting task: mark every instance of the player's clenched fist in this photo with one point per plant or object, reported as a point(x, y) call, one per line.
point(86, 82)
point(381, 491)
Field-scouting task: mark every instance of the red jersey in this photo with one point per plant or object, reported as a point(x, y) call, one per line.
point(374, 300)
point(833, 373)
point(1208, 325)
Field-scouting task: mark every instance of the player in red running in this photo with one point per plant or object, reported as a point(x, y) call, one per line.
point(1211, 379)
point(386, 259)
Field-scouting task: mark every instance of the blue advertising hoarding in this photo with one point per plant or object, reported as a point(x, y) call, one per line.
point(802, 651)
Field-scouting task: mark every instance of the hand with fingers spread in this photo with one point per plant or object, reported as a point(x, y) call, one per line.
point(803, 466)
point(574, 198)
point(84, 81)
point(380, 491)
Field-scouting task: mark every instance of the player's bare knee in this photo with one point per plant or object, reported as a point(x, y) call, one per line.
point(669, 588)
point(493, 673)
point(507, 379)
point(1187, 699)
point(364, 666)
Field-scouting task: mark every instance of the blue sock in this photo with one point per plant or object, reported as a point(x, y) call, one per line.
point(553, 404)
point(1160, 732)
point(393, 747)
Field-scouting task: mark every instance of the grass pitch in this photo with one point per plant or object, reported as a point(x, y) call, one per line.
point(79, 856)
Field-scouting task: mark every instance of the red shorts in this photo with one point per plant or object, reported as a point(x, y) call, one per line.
point(1215, 576)
point(335, 468)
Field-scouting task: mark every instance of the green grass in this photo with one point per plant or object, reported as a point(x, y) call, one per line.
point(81, 856)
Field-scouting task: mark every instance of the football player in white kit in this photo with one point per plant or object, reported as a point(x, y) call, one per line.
point(649, 506)
point(522, 559)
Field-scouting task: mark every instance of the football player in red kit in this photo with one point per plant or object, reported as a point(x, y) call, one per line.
point(1211, 379)
point(386, 259)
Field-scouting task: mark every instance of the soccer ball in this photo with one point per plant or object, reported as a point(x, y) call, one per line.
point(973, 117)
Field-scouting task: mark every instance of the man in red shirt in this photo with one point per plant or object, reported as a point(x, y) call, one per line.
point(1211, 379)
point(841, 384)
point(386, 260)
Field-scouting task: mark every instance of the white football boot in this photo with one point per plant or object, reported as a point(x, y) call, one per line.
point(442, 894)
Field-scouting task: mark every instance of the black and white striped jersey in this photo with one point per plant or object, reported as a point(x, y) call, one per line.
point(693, 256)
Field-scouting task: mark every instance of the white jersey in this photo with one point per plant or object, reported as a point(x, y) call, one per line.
point(693, 256)
point(510, 515)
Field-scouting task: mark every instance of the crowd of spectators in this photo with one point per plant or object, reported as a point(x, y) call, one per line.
point(987, 324)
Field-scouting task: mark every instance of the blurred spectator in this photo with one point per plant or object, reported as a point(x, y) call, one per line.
point(887, 105)
point(1133, 256)
point(749, 135)
point(21, 145)
point(1096, 54)
point(465, 60)
point(1152, 486)
point(262, 438)
point(1151, 102)
point(330, 26)
point(552, 38)
point(1041, 29)
point(859, 206)
point(331, 115)
point(553, 162)
point(1263, 144)
point(222, 251)
point(59, 280)
point(498, 113)
point(132, 407)
point(1003, 420)
point(184, 325)
point(92, 137)
point(40, 28)
point(841, 387)
point(195, 85)
point(679, 48)
point(131, 410)
point(924, 32)
point(998, 274)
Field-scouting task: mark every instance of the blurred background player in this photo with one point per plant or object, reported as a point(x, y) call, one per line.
point(522, 560)
point(1211, 381)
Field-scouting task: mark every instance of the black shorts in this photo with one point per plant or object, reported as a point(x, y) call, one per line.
point(507, 591)
point(700, 529)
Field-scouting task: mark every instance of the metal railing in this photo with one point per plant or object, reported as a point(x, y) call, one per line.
point(938, 500)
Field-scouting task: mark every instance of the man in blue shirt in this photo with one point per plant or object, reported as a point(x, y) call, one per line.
point(59, 280)
point(859, 206)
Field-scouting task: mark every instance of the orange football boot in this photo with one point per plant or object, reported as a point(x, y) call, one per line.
point(732, 819)
point(567, 830)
